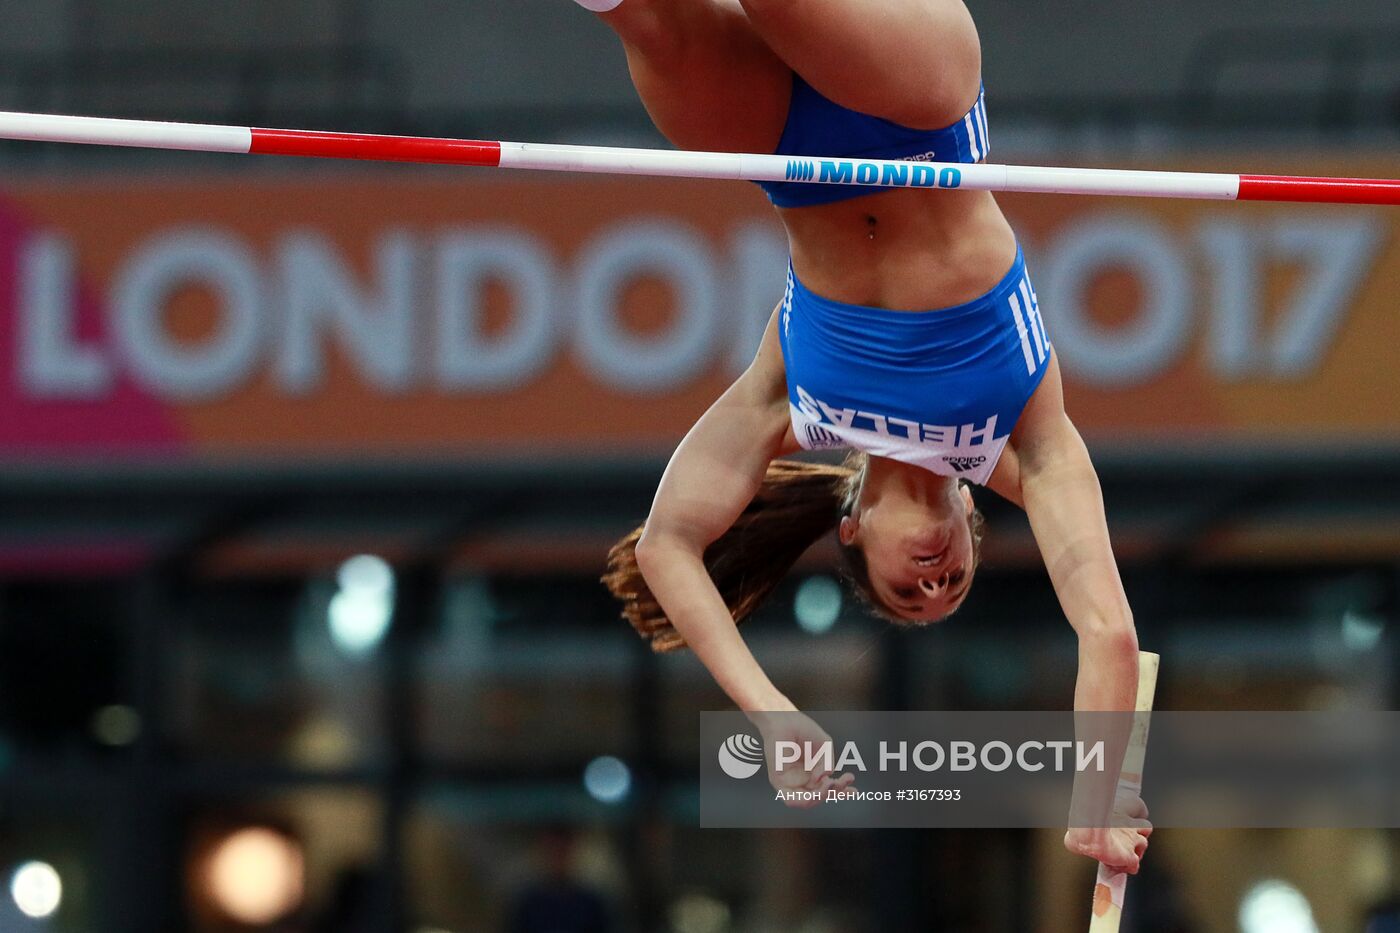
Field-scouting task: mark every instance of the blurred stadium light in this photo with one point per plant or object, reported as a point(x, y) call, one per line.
point(817, 604)
point(37, 889)
point(254, 875)
point(1276, 907)
point(608, 779)
point(360, 612)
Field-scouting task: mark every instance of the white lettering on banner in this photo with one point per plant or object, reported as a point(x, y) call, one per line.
point(465, 262)
point(1340, 252)
point(1230, 251)
point(53, 363)
point(1338, 255)
point(416, 318)
point(623, 360)
point(760, 274)
point(319, 295)
point(1128, 354)
point(175, 259)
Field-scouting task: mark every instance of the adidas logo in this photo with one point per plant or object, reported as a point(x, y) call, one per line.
point(963, 464)
point(819, 437)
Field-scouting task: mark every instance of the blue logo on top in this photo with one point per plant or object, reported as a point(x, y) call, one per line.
point(892, 175)
point(800, 170)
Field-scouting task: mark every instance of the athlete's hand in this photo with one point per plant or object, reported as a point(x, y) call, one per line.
point(1121, 847)
point(794, 776)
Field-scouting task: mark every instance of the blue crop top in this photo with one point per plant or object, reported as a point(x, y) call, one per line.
point(937, 389)
point(817, 126)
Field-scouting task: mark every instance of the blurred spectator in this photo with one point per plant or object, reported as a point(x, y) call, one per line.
point(557, 902)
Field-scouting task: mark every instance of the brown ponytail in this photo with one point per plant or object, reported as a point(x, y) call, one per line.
point(797, 504)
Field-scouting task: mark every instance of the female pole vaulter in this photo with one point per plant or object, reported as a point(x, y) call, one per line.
point(909, 333)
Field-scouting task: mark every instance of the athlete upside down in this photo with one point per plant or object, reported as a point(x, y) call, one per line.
point(909, 332)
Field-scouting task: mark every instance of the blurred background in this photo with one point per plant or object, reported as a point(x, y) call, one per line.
point(308, 471)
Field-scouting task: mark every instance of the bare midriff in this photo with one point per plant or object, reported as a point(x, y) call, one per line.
point(902, 250)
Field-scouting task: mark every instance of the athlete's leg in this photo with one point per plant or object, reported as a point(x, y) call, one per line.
point(705, 76)
point(917, 62)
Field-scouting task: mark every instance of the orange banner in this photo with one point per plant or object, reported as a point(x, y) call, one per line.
point(389, 315)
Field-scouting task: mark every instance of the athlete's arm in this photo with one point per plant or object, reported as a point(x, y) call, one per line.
point(712, 477)
point(1064, 502)
point(1060, 492)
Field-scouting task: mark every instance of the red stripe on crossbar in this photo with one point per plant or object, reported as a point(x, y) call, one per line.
point(375, 148)
point(1319, 190)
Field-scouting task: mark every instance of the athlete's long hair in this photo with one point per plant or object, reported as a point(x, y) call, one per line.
point(795, 506)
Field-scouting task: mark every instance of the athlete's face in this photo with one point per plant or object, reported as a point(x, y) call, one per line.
point(920, 556)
